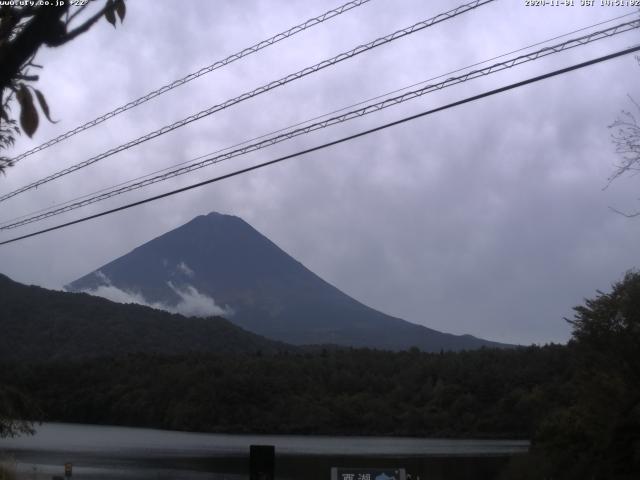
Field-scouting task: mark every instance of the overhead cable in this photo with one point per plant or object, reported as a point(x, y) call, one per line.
point(375, 107)
point(332, 143)
point(318, 117)
point(263, 89)
point(192, 76)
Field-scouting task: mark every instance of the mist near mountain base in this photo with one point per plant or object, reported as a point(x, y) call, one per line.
point(192, 302)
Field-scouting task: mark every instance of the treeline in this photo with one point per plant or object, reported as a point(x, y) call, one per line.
point(483, 393)
point(44, 325)
point(579, 403)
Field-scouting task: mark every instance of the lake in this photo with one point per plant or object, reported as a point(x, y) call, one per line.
point(104, 452)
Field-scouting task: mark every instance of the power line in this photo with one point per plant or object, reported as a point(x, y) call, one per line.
point(332, 121)
point(335, 142)
point(192, 76)
point(263, 89)
point(497, 67)
point(362, 102)
point(463, 68)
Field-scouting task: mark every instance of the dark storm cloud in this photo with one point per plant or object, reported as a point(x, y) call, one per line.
point(488, 219)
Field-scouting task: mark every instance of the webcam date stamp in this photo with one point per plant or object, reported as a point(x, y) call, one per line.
point(582, 3)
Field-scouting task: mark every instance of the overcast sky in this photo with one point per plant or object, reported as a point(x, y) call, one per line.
point(488, 218)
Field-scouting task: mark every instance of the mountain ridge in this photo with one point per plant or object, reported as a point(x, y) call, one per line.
point(270, 293)
point(47, 325)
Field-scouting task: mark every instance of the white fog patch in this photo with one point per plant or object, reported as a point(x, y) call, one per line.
point(192, 302)
point(196, 304)
point(103, 277)
point(121, 296)
point(184, 268)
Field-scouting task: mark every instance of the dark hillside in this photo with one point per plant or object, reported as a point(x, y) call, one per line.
point(39, 325)
point(482, 393)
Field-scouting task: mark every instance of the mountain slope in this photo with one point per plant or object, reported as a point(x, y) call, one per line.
point(270, 293)
point(39, 324)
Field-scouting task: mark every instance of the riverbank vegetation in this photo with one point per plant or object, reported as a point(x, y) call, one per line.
point(579, 403)
point(485, 393)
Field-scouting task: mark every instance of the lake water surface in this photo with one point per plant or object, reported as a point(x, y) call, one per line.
point(101, 452)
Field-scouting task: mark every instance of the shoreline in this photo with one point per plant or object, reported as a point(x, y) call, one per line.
point(101, 452)
point(41, 465)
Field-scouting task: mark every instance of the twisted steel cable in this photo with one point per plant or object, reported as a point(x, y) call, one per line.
point(260, 90)
point(494, 68)
point(192, 76)
point(235, 173)
point(318, 117)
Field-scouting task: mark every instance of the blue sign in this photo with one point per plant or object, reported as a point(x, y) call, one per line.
point(338, 473)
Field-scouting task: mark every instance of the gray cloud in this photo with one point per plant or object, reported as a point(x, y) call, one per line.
point(487, 219)
point(192, 303)
point(184, 269)
point(195, 304)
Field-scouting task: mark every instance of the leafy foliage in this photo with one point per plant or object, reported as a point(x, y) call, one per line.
point(484, 393)
point(24, 29)
point(15, 408)
point(580, 403)
point(598, 435)
point(39, 325)
point(44, 325)
point(163, 370)
point(28, 112)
